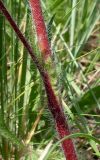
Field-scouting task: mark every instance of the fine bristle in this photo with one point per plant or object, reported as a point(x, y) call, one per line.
point(40, 27)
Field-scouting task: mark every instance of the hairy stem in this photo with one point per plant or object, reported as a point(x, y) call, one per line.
point(54, 106)
point(41, 32)
point(60, 120)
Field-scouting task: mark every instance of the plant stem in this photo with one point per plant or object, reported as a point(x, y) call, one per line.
point(60, 120)
point(41, 32)
point(54, 107)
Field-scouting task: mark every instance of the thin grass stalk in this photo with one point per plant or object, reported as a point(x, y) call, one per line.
point(54, 107)
point(3, 82)
point(73, 18)
point(23, 76)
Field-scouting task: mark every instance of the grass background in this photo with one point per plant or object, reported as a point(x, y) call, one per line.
point(73, 30)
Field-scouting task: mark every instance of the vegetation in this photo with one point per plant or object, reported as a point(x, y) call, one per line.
point(27, 128)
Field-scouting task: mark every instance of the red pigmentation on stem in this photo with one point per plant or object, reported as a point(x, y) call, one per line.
point(60, 120)
point(54, 106)
point(41, 32)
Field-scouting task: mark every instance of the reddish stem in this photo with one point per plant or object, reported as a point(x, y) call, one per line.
point(60, 120)
point(42, 37)
point(55, 108)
